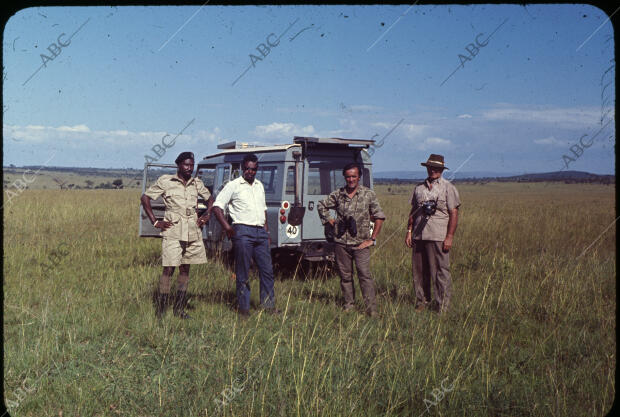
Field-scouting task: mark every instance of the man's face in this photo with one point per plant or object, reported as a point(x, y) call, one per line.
point(352, 177)
point(434, 172)
point(249, 171)
point(185, 168)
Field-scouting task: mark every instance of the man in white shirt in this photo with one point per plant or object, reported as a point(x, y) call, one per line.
point(245, 198)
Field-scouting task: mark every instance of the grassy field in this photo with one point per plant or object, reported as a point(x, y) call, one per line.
point(531, 331)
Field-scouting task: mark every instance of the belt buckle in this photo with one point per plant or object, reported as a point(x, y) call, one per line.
point(188, 211)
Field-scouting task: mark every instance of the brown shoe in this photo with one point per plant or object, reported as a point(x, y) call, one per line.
point(420, 308)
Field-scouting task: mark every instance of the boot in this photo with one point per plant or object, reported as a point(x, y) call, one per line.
point(160, 305)
point(180, 303)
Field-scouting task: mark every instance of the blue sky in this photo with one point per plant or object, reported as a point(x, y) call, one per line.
point(130, 75)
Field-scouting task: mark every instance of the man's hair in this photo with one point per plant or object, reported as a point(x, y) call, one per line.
point(183, 156)
point(249, 158)
point(351, 166)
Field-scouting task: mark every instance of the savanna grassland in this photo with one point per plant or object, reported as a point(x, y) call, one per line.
point(531, 330)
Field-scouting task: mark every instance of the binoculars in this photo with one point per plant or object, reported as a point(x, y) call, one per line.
point(347, 224)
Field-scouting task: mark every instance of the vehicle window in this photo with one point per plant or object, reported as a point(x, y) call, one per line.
point(324, 179)
point(366, 178)
point(337, 179)
point(290, 180)
point(207, 175)
point(314, 181)
point(223, 175)
point(267, 175)
point(236, 171)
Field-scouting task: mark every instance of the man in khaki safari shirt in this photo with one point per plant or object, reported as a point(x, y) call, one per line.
point(182, 243)
point(430, 230)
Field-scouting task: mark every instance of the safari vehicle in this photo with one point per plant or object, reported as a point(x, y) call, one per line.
point(295, 177)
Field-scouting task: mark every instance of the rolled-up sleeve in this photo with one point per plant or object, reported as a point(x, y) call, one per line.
point(452, 197)
point(374, 206)
point(412, 200)
point(224, 196)
point(156, 190)
point(324, 206)
point(202, 190)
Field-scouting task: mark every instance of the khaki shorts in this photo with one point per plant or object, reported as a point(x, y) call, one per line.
point(177, 252)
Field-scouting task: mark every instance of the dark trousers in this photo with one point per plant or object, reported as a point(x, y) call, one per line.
point(251, 242)
point(345, 256)
point(431, 264)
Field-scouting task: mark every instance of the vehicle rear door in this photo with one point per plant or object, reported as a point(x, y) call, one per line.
point(322, 175)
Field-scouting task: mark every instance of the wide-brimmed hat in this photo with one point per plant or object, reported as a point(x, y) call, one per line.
point(435, 161)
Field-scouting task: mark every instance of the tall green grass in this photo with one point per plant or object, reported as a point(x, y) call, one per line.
point(531, 330)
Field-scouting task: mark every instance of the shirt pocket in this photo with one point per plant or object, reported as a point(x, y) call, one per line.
point(175, 197)
point(192, 194)
point(442, 203)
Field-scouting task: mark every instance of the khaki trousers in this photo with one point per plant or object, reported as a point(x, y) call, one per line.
point(431, 264)
point(345, 256)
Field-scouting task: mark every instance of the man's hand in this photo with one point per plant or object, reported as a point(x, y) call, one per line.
point(203, 220)
point(408, 240)
point(447, 244)
point(230, 232)
point(332, 222)
point(162, 224)
point(364, 244)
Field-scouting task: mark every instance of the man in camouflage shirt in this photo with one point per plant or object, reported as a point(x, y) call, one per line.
point(355, 206)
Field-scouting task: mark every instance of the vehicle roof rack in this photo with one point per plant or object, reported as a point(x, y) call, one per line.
point(237, 145)
point(334, 141)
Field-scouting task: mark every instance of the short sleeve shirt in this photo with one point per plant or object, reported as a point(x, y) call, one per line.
point(245, 201)
point(434, 227)
point(181, 201)
point(361, 206)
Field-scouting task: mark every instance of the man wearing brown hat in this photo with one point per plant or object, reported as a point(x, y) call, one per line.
point(430, 230)
point(182, 243)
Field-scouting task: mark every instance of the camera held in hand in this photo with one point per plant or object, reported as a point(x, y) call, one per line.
point(347, 224)
point(429, 207)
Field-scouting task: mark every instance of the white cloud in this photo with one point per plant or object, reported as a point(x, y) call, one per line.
point(434, 143)
point(77, 128)
point(411, 131)
point(565, 116)
point(284, 131)
point(550, 140)
point(83, 134)
point(123, 133)
point(465, 116)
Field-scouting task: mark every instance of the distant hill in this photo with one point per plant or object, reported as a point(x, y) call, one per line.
point(579, 176)
point(562, 176)
point(418, 175)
